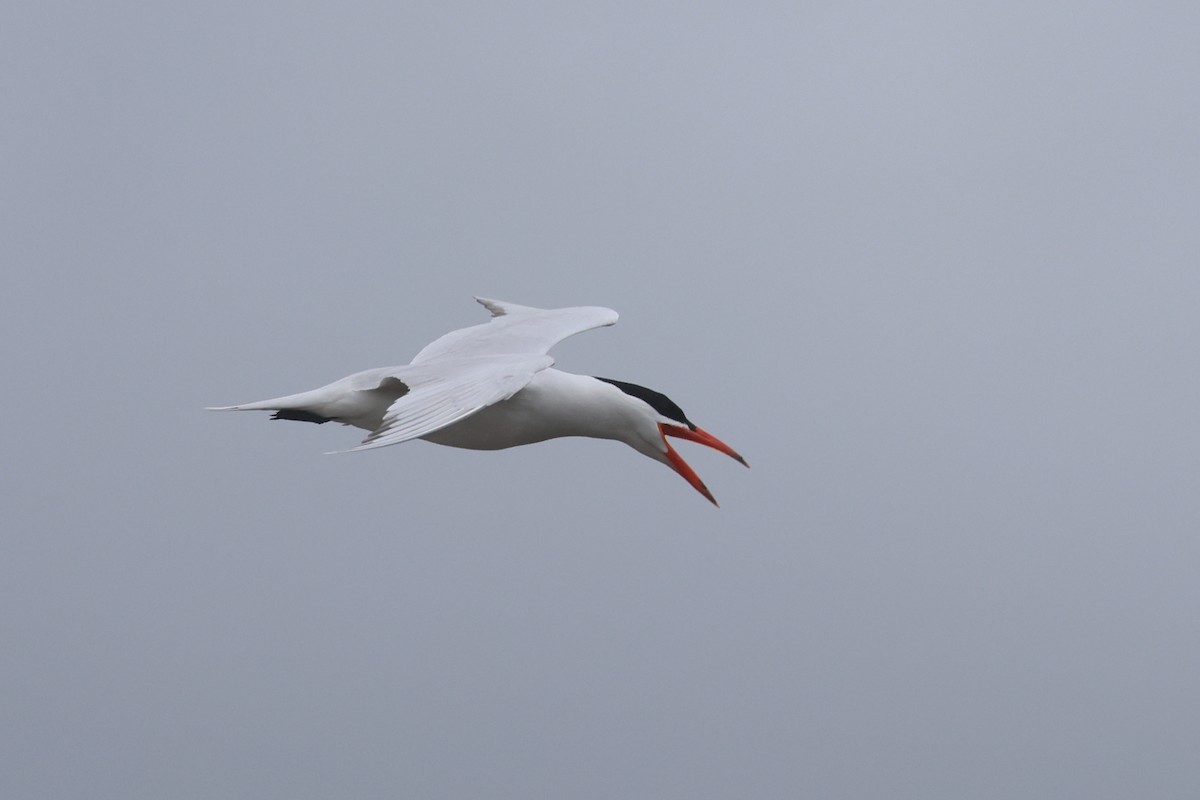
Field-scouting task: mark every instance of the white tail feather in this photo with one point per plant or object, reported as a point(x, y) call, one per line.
point(301, 401)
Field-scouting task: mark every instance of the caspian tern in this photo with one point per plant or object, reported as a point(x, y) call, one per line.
point(490, 386)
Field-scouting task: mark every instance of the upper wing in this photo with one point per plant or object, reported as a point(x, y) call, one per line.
point(516, 329)
point(448, 390)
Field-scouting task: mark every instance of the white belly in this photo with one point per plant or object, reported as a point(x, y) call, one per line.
point(554, 404)
point(493, 428)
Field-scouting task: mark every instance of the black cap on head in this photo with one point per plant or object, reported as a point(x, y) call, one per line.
point(656, 400)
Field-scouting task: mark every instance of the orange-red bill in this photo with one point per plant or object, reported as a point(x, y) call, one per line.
point(688, 473)
point(681, 466)
point(704, 438)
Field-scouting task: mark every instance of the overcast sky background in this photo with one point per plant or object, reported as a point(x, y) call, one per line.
point(931, 267)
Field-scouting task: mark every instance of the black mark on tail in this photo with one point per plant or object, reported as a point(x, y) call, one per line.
point(300, 416)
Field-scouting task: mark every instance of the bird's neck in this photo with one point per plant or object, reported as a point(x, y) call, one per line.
point(580, 405)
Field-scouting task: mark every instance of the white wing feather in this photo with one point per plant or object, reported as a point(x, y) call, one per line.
point(516, 329)
point(442, 393)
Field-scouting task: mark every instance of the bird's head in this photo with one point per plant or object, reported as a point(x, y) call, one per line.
point(659, 418)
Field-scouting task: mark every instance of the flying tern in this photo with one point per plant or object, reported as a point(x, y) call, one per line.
point(491, 386)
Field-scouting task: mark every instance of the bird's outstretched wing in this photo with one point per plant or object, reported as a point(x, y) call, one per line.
point(435, 395)
point(516, 330)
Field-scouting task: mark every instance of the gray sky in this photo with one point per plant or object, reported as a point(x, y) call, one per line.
point(931, 267)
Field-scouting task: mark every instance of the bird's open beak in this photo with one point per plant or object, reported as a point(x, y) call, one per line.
point(682, 467)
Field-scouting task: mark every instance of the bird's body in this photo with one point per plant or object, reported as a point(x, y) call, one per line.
point(552, 405)
point(491, 386)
